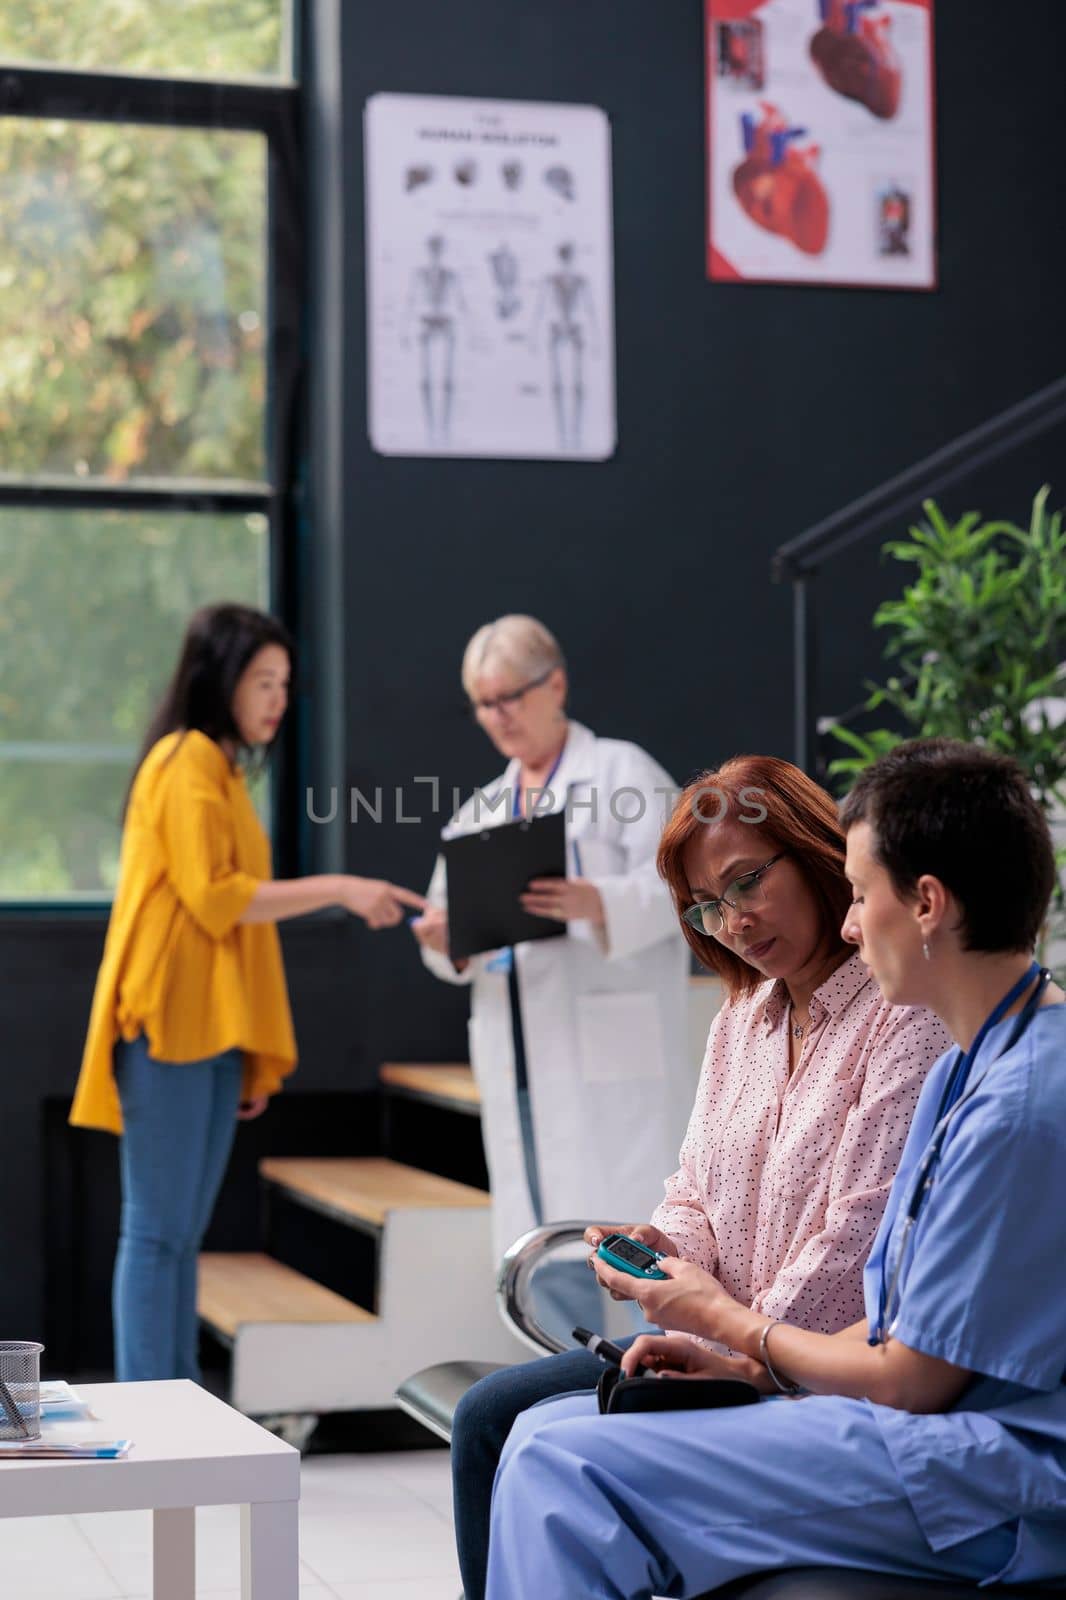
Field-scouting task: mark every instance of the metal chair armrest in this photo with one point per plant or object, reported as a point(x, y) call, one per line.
point(512, 1282)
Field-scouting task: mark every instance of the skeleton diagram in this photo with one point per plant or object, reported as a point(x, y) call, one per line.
point(565, 297)
point(503, 264)
point(435, 302)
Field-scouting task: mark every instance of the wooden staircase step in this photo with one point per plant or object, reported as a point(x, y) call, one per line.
point(448, 1085)
point(235, 1290)
point(362, 1190)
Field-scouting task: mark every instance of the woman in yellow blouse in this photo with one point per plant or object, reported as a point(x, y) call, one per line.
point(190, 1025)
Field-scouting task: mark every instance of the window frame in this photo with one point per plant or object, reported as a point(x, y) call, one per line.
point(272, 108)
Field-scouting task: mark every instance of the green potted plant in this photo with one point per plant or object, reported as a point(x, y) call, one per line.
point(978, 638)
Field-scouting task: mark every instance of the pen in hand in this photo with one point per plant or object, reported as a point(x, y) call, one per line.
point(599, 1346)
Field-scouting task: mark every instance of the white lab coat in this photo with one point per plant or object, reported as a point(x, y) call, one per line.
point(603, 1011)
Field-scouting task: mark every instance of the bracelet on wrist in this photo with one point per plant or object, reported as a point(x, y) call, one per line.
point(783, 1384)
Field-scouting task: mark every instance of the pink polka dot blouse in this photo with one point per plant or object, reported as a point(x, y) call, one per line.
point(784, 1176)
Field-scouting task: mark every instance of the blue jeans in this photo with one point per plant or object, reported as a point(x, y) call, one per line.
point(179, 1119)
point(483, 1419)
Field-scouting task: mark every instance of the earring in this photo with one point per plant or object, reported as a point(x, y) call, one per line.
point(925, 950)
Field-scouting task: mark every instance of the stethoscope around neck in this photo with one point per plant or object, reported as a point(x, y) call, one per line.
point(955, 1092)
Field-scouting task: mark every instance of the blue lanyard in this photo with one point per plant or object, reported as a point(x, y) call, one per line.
point(547, 782)
point(547, 785)
point(952, 1096)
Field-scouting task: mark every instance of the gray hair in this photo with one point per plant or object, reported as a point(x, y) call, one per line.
point(517, 642)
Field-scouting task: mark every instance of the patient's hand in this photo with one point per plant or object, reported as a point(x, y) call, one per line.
point(673, 1355)
point(686, 1298)
point(642, 1232)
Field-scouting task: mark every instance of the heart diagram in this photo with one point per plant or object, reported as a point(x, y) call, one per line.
point(778, 184)
point(853, 51)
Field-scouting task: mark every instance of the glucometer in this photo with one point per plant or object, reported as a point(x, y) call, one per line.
point(618, 1250)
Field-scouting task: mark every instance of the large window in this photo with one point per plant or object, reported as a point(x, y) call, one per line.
point(133, 279)
point(184, 38)
point(150, 282)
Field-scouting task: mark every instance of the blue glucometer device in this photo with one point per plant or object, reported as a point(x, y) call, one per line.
point(618, 1250)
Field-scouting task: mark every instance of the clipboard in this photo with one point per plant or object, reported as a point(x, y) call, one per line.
point(488, 870)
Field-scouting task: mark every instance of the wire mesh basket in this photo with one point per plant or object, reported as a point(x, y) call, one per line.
point(20, 1389)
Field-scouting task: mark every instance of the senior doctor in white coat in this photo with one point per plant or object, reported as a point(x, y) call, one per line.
point(578, 1044)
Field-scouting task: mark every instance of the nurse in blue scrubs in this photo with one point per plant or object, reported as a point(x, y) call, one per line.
point(929, 1440)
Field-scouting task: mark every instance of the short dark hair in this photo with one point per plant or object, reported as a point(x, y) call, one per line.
point(967, 816)
point(220, 640)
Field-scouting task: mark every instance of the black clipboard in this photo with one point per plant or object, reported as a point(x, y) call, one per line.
point(488, 870)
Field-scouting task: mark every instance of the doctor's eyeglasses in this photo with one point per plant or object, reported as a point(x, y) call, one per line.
point(745, 893)
point(506, 702)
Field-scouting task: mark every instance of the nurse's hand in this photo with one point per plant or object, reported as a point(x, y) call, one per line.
point(687, 1299)
point(674, 1355)
point(564, 900)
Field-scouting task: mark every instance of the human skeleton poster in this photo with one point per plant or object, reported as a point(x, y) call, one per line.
point(490, 293)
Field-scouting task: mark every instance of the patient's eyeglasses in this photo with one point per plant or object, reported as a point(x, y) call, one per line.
point(505, 702)
point(744, 894)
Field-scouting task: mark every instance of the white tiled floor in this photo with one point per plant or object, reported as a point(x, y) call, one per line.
point(372, 1527)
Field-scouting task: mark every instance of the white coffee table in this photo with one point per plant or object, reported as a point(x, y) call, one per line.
point(189, 1450)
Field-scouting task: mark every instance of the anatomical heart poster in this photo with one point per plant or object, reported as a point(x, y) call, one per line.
point(490, 278)
point(821, 163)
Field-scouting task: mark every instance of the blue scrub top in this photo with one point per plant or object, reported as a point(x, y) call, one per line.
point(983, 1285)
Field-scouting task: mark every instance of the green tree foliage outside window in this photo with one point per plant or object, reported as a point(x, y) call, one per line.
point(132, 300)
point(132, 346)
point(182, 38)
point(92, 608)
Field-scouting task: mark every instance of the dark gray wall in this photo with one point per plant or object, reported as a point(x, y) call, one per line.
point(745, 413)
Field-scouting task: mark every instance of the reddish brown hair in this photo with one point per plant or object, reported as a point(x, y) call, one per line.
point(799, 818)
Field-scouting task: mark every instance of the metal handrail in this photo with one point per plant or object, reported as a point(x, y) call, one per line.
point(799, 558)
point(512, 1282)
point(1004, 432)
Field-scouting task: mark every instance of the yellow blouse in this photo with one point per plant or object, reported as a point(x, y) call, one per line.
point(178, 964)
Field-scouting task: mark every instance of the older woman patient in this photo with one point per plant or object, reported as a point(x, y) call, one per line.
point(808, 1085)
